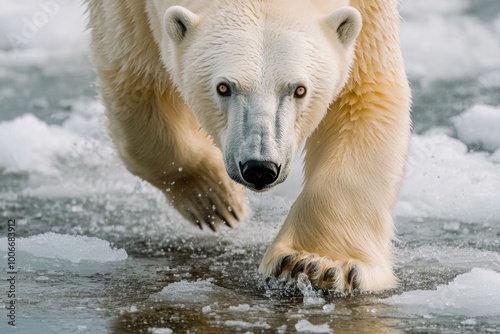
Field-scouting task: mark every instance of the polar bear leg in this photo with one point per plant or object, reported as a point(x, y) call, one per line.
point(331, 253)
point(160, 141)
point(337, 252)
point(339, 230)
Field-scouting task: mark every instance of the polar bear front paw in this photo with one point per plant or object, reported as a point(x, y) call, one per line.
point(323, 272)
point(208, 201)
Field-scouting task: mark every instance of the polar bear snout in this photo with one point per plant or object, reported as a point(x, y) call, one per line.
point(261, 174)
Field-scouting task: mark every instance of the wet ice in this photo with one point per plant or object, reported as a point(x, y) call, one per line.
point(476, 293)
point(67, 247)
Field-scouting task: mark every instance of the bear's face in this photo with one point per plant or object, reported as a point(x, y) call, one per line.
point(258, 84)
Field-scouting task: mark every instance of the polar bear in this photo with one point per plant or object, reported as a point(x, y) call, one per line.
point(207, 97)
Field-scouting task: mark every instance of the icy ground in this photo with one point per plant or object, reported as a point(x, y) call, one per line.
point(99, 251)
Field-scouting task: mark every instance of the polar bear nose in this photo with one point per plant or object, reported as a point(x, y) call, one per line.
point(259, 173)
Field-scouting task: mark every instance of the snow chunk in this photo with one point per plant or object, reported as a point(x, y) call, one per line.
point(329, 307)
point(244, 324)
point(240, 308)
point(476, 293)
point(480, 125)
point(281, 329)
point(304, 326)
point(190, 292)
point(469, 322)
point(29, 144)
point(155, 330)
point(311, 296)
point(68, 247)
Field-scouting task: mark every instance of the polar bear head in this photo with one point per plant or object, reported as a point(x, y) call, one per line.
point(260, 79)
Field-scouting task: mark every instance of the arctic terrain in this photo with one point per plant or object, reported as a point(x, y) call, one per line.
point(98, 250)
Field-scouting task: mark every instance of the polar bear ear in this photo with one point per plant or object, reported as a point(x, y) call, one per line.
point(178, 21)
point(346, 22)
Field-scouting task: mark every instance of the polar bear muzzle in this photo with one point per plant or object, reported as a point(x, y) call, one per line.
point(261, 174)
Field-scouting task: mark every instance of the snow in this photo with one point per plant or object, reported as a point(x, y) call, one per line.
point(479, 125)
point(495, 157)
point(445, 181)
point(67, 247)
point(476, 293)
point(304, 326)
point(416, 8)
point(41, 31)
point(29, 144)
point(433, 33)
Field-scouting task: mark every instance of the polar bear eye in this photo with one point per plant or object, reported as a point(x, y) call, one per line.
point(300, 92)
point(223, 90)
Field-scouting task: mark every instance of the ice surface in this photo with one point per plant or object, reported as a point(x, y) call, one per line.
point(67, 247)
point(304, 326)
point(480, 125)
point(476, 293)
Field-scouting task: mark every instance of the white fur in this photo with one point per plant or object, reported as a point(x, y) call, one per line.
point(159, 63)
point(262, 120)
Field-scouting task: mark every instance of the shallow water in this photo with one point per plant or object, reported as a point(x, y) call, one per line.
point(61, 175)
